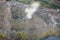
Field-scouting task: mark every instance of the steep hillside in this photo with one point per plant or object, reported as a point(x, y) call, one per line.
point(44, 22)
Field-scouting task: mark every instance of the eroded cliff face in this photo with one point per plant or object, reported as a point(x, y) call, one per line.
point(13, 20)
point(47, 16)
point(13, 17)
point(5, 16)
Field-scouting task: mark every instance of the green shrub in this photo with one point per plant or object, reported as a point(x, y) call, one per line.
point(2, 35)
point(22, 35)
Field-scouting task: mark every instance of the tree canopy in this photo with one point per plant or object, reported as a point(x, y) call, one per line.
point(43, 2)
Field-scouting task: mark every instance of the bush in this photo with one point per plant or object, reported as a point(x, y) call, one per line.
point(2, 36)
point(22, 36)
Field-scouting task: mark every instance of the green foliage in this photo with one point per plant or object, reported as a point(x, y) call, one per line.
point(55, 6)
point(43, 2)
point(2, 35)
point(47, 4)
point(23, 1)
point(22, 36)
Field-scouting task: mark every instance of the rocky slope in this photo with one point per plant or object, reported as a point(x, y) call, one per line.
point(13, 17)
point(49, 16)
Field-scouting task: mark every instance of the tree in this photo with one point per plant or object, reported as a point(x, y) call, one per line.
point(50, 3)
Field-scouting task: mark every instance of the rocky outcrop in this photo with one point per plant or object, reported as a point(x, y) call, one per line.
point(44, 22)
point(14, 18)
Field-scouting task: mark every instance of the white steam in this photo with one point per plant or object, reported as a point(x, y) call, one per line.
point(30, 11)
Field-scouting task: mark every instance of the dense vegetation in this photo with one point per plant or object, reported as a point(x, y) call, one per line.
point(47, 4)
point(43, 2)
